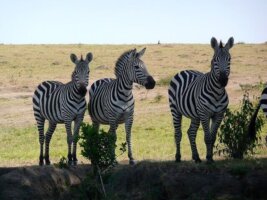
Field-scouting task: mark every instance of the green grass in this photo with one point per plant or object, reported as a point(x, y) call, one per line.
point(23, 67)
point(150, 141)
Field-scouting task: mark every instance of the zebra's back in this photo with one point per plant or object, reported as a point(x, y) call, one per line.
point(45, 101)
point(98, 84)
point(182, 92)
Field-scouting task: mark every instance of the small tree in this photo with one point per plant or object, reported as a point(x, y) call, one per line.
point(233, 135)
point(99, 148)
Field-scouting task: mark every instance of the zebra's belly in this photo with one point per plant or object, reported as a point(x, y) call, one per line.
point(107, 117)
point(57, 116)
point(53, 117)
point(188, 107)
point(106, 122)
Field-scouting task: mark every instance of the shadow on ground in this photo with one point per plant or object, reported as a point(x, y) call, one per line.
point(226, 179)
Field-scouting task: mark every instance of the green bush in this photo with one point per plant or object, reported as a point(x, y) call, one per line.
point(233, 135)
point(63, 163)
point(99, 147)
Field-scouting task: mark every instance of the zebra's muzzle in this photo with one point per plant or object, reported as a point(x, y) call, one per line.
point(82, 90)
point(150, 83)
point(223, 79)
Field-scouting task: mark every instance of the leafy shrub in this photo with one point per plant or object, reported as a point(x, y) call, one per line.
point(63, 163)
point(233, 135)
point(98, 147)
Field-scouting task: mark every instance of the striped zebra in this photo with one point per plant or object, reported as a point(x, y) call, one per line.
point(111, 101)
point(202, 98)
point(262, 104)
point(62, 103)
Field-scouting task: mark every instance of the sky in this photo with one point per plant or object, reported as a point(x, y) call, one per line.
point(131, 22)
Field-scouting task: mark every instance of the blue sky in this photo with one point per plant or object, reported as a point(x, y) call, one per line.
point(131, 22)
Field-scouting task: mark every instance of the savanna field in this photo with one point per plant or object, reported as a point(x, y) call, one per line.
point(23, 67)
point(156, 176)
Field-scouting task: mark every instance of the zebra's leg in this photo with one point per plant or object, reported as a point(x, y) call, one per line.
point(177, 123)
point(69, 140)
point(216, 121)
point(192, 132)
point(96, 125)
point(48, 136)
point(112, 130)
point(128, 128)
point(77, 124)
point(205, 121)
point(40, 125)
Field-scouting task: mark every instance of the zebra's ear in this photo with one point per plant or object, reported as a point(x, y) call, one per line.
point(214, 43)
point(89, 57)
point(132, 53)
point(73, 58)
point(141, 53)
point(230, 43)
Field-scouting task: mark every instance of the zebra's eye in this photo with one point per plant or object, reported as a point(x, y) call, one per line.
point(136, 67)
point(229, 59)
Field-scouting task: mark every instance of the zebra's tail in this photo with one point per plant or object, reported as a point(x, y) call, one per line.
point(251, 127)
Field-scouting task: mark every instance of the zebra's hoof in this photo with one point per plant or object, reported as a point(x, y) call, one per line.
point(47, 162)
point(41, 161)
point(177, 158)
point(197, 160)
point(70, 162)
point(74, 163)
point(132, 162)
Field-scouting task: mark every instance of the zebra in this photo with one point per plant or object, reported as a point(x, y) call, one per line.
point(202, 98)
point(62, 103)
point(111, 100)
point(263, 105)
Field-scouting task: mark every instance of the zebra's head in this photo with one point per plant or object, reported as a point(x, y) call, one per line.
point(134, 68)
point(220, 64)
point(80, 75)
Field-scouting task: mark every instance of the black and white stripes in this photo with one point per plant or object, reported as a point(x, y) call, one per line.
point(62, 103)
point(111, 100)
point(262, 104)
point(202, 98)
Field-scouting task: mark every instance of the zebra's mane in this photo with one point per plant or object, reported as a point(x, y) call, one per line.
point(121, 62)
point(221, 44)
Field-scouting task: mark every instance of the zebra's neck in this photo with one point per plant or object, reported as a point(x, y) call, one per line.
point(124, 87)
point(214, 85)
point(74, 91)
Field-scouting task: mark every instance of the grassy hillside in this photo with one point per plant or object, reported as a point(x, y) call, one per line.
point(23, 67)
